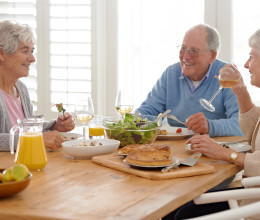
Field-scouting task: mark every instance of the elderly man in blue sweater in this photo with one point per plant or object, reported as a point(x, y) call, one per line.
point(183, 84)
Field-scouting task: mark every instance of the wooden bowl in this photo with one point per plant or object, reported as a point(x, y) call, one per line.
point(12, 188)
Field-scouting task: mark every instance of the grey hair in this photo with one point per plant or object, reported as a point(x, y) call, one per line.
point(213, 38)
point(12, 34)
point(254, 40)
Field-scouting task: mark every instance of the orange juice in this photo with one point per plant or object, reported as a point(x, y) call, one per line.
point(31, 151)
point(96, 131)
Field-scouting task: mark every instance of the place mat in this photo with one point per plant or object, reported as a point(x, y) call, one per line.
point(115, 161)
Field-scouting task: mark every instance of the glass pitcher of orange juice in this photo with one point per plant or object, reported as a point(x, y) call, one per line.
point(30, 148)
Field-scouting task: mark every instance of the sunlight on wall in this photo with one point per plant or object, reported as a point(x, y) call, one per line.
point(149, 32)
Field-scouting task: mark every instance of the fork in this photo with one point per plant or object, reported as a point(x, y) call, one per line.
point(174, 118)
point(166, 169)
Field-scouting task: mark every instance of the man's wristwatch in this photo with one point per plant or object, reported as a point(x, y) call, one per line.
point(233, 156)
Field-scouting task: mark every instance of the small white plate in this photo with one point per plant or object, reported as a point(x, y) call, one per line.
point(239, 147)
point(175, 161)
point(70, 136)
point(172, 135)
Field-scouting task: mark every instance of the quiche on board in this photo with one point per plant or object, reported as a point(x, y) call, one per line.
point(148, 155)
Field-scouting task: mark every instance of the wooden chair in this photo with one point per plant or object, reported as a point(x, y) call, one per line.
point(232, 196)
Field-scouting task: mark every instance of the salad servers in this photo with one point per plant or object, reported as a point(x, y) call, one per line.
point(160, 116)
point(174, 118)
point(137, 113)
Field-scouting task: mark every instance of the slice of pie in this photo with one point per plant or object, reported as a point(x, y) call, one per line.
point(151, 155)
point(143, 147)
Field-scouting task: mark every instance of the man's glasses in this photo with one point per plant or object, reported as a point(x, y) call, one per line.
point(193, 52)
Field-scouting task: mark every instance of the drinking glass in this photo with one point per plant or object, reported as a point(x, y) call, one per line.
point(227, 79)
point(96, 130)
point(124, 102)
point(84, 112)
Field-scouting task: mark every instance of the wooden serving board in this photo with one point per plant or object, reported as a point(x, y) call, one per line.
point(115, 161)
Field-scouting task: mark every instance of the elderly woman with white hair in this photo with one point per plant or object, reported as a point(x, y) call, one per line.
point(249, 120)
point(16, 56)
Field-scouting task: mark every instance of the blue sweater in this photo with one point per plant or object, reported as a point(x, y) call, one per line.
point(172, 91)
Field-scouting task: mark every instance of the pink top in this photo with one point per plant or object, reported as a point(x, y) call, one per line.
point(14, 107)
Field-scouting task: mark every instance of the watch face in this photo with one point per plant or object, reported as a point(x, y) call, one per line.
point(233, 156)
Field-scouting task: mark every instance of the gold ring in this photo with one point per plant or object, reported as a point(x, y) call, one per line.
point(195, 145)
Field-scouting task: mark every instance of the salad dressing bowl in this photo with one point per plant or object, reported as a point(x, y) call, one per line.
point(143, 129)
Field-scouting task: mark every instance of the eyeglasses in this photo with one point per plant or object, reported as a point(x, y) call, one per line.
point(193, 52)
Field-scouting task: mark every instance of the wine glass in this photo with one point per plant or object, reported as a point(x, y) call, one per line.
point(124, 102)
point(227, 79)
point(84, 112)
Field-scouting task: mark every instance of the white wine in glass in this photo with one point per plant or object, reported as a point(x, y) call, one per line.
point(84, 112)
point(124, 102)
point(227, 79)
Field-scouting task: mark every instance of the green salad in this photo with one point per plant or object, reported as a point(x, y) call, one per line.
point(128, 131)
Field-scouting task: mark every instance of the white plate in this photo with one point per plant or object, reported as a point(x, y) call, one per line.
point(108, 146)
point(70, 136)
point(239, 147)
point(175, 161)
point(172, 135)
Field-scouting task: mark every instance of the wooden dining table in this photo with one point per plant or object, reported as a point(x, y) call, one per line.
point(69, 188)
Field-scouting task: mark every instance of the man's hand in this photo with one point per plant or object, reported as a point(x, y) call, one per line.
point(198, 123)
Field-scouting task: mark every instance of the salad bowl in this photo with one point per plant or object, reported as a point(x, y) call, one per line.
point(142, 129)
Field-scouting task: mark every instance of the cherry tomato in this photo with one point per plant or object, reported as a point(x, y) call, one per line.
point(178, 130)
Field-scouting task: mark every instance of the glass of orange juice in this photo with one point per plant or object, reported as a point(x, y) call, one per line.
point(96, 130)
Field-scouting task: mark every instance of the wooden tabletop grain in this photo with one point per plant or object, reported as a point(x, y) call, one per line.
point(81, 189)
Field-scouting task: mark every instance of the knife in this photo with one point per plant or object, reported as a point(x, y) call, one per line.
point(190, 161)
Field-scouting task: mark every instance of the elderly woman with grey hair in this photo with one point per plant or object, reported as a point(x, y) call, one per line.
point(249, 120)
point(16, 56)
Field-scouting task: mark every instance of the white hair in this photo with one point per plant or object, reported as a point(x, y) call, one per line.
point(254, 40)
point(12, 34)
point(213, 38)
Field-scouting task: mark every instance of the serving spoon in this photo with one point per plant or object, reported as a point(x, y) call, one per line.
point(160, 116)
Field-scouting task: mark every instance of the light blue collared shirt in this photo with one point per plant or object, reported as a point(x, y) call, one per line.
point(190, 83)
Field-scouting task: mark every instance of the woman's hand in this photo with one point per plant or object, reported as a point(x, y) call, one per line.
point(207, 146)
point(52, 140)
point(233, 68)
point(64, 123)
point(243, 97)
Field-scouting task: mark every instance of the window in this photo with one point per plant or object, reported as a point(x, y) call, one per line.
point(95, 47)
point(70, 51)
point(245, 22)
point(24, 12)
point(62, 72)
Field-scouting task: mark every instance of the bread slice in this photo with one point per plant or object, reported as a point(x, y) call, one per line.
point(163, 132)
